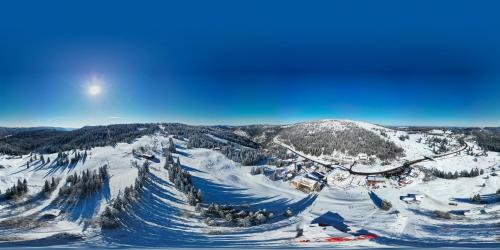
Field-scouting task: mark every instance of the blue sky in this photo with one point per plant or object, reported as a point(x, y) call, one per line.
point(246, 62)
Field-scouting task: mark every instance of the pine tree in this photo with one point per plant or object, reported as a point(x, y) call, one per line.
point(476, 198)
point(20, 187)
point(171, 145)
point(85, 156)
point(46, 187)
point(53, 183)
point(274, 176)
point(170, 159)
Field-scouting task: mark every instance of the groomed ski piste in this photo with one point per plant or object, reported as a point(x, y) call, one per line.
point(344, 213)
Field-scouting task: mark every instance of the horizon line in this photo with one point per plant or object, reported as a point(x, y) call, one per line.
point(251, 124)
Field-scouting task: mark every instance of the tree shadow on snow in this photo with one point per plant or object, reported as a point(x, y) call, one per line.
point(17, 208)
point(223, 194)
point(39, 167)
point(152, 220)
point(155, 220)
point(64, 240)
point(190, 169)
point(331, 219)
point(376, 200)
point(185, 154)
point(82, 209)
point(485, 199)
point(55, 168)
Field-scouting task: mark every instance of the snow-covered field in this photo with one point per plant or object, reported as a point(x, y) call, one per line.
point(340, 215)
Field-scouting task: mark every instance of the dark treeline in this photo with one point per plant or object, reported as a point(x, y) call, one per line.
point(222, 132)
point(244, 156)
point(488, 138)
point(454, 175)
point(12, 131)
point(49, 140)
point(233, 151)
point(262, 134)
point(17, 141)
point(237, 148)
point(182, 181)
point(83, 185)
point(17, 190)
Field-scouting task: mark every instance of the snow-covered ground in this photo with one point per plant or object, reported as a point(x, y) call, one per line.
point(164, 218)
point(414, 145)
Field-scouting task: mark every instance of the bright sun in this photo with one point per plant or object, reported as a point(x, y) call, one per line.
point(94, 89)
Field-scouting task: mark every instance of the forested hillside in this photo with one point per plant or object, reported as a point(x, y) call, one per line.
point(348, 139)
point(51, 140)
point(488, 138)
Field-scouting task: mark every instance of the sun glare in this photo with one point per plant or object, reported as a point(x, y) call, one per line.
point(94, 89)
point(94, 86)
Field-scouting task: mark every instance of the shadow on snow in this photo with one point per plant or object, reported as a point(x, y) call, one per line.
point(155, 220)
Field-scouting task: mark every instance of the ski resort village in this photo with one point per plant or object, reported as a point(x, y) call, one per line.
point(328, 183)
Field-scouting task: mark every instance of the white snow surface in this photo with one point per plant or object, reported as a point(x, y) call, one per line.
point(163, 217)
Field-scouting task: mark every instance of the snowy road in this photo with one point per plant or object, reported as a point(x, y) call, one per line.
point(408, 164)
point(388, 171)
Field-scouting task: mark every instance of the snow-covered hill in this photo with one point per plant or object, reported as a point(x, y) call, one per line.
point(373, 147)
point(345, 212)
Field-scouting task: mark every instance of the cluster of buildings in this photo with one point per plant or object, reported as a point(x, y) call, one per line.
point(374, 180)
point(312, 179)
point(361, 158)
point(306, 185)
point(309, 176)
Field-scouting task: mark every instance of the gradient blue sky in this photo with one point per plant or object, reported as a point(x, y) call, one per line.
point(242, 62)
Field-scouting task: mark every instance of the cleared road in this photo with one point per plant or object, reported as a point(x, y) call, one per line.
point(391, 171)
